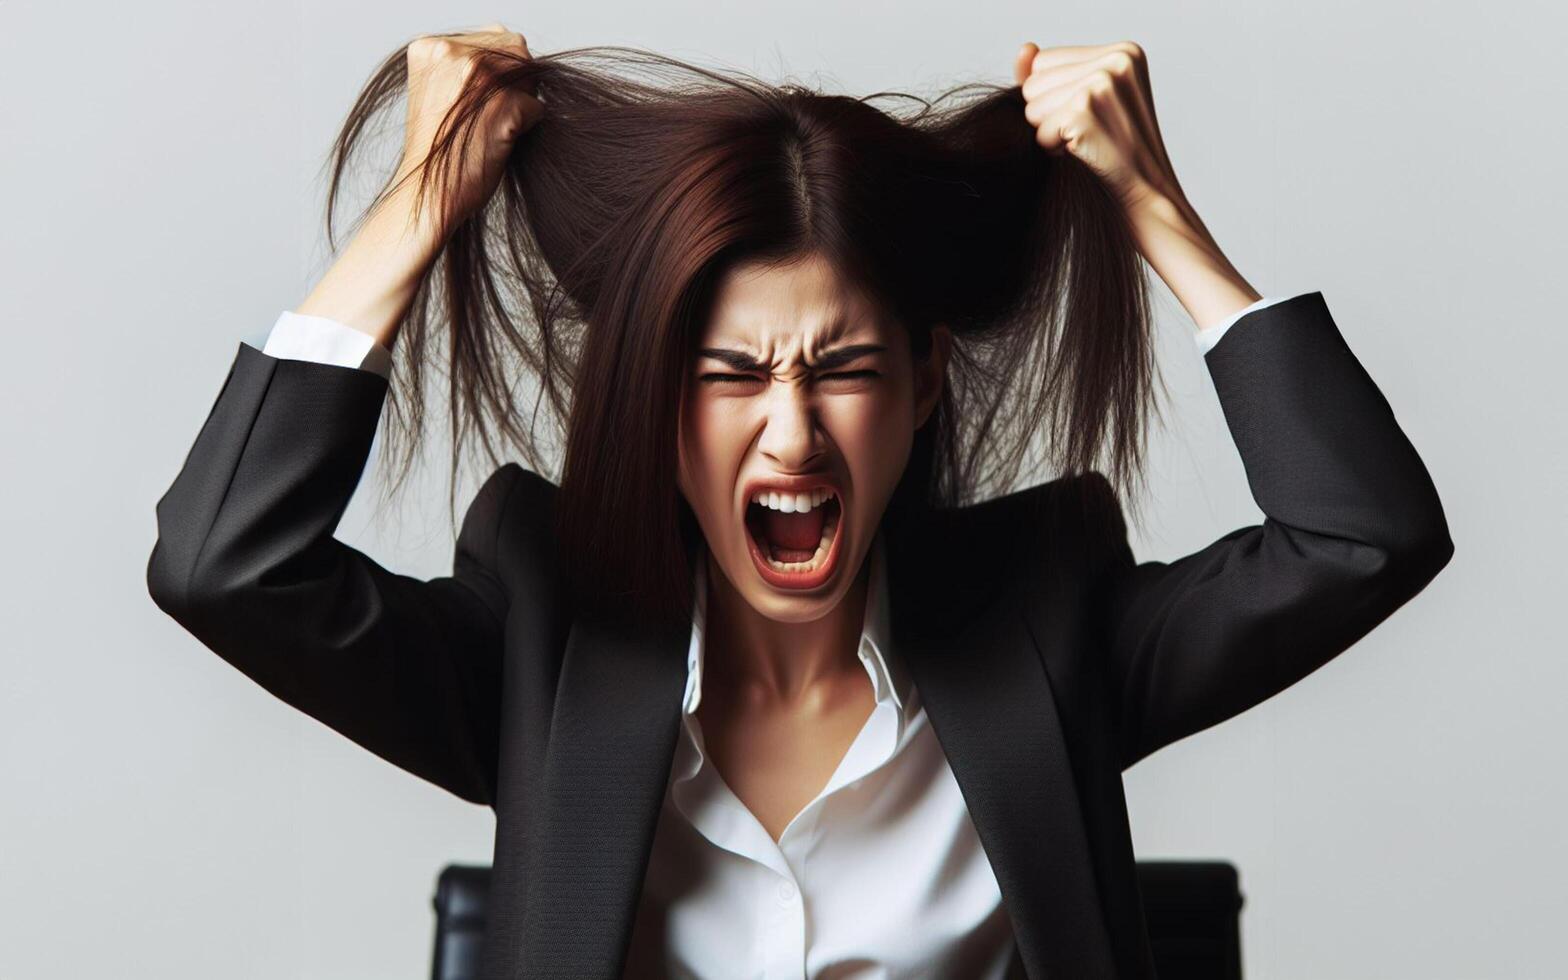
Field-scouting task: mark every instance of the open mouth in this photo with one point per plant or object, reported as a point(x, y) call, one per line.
point(794, 547)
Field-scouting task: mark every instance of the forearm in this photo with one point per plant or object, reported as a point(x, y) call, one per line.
point(1181, 251)
point(372, 284)
point(246, 559)
point(1353, 529)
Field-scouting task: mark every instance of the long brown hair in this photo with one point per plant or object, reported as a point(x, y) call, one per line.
point(589, 274)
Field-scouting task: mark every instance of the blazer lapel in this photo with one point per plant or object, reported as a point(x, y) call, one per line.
point(956, 620)
point(959, 628)
point(612, 741)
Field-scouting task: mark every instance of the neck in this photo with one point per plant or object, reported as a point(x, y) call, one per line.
point(762, 660)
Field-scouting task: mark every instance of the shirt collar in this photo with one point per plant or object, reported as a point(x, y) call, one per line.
point(889, 678)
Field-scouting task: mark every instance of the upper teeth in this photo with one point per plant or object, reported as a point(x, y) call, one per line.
point(791, 503)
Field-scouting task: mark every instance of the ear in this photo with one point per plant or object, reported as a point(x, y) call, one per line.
point(931, 373)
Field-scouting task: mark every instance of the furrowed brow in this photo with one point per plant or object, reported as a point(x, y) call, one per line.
point(840, 356)
point(739, 360)
point(826, 361)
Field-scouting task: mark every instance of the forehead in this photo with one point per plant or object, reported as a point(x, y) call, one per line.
point(776, 308)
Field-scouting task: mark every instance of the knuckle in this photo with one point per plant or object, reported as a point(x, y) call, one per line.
point(1121, 62)
point(1133, 49)
point(474, 65)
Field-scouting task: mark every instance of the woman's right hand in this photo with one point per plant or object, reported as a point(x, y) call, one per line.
point(439, 69)
point(375, 279)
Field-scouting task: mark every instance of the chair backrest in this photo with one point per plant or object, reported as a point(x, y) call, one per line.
point(461, 894)
point(1193, 910)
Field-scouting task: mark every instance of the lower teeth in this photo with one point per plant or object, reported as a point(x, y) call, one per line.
point(811, 564)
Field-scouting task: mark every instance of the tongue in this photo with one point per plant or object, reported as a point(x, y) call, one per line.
point(794, 537)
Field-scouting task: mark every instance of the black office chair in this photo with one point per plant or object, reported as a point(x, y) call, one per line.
point(1193, 909)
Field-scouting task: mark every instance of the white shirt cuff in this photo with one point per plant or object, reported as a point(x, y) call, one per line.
point(1209, 336)
point(306, 337)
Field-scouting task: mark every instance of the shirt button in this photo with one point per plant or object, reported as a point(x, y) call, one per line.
point(786, 892)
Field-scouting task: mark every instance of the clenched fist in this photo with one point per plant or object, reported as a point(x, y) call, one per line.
point(439, 69)
point(1094, 102)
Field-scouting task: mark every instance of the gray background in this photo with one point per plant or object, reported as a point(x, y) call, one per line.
point(1397, 814)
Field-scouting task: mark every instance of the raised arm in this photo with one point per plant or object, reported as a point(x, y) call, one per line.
point(1352, 530)
point(247, 562)
point(246, 559)
point(1353, 527)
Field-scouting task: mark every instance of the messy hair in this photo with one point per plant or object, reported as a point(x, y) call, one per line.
point(566, 310)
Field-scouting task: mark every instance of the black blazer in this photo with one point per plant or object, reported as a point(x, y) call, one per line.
point(1048, 659)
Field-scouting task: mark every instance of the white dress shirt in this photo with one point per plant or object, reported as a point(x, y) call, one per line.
point(880, 876)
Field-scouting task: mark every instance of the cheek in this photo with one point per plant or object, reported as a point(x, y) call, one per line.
point(874, 433)
point(712, 442)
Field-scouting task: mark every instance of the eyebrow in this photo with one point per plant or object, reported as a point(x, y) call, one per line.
point(826, 361)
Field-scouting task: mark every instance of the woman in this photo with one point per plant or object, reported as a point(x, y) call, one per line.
point(760, 688)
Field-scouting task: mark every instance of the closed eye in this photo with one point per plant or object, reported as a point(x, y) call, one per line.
point(850, 374)
point(719, 378)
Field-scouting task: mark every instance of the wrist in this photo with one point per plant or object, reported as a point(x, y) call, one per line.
point(405, 236)
point(1154, 208)
point(373, 281)
point(1175, 243)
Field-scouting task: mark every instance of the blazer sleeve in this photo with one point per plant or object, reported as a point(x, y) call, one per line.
point(245, 559)
point(1352, 530)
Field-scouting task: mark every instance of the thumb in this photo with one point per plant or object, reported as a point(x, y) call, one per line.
point(1022, 65)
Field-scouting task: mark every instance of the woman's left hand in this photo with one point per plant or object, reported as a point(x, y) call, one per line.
point(1094, 102)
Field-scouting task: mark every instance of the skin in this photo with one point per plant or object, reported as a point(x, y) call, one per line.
point(788, 693)
point(373, 281)
point(784, 692)
point(1095, 102)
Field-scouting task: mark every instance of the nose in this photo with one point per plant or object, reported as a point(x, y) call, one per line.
point(791, 438)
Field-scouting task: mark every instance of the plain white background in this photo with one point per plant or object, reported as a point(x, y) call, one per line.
point(1397, 814)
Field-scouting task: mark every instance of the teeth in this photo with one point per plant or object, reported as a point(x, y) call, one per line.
point(800, 567)
point(791, 503)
